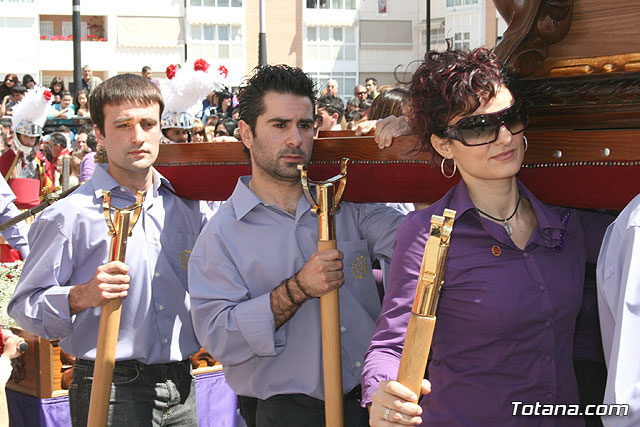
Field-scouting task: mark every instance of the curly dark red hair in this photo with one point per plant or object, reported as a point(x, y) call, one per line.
point(451, 83)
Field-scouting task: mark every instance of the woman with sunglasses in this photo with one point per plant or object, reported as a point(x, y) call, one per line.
point(513, 284)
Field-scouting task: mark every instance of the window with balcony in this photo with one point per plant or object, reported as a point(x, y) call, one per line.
point(216, 3)
point(216, 41)
point(67, 29)
point(436, 34)
point(46, 28)
point(330, 43)
point(331, 4)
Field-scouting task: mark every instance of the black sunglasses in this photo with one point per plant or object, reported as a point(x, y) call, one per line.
point(485, 128)
point(361, 93)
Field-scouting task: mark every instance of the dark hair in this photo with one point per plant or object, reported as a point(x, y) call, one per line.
point(57, 138)
point(365, 105)
point(354, 101)
point(85, 128)
point(27, 79)
point(146, 68)
point(92, 141)
point(352, 116)
point(57, 80)
point(272, 78)
point(120, 89)
point(332, 104)
point(11, 76)
point(373, 79)
point(77, 102)
point(18, 88)
point(66, 93)
point(388, 103)
point(452, 83)
point(63, 129)
point(228, 123)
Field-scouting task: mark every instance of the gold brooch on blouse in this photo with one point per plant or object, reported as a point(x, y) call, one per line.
point(495, 250)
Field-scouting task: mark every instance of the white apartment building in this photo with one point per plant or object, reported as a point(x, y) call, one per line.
point(347, 40)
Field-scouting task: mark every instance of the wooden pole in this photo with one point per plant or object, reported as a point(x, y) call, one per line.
point(120, 229)
point(324, 206)
point(422, 323)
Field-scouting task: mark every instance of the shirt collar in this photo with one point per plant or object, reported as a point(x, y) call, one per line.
point(550, 229)
point(244, 200)
point(101, 180)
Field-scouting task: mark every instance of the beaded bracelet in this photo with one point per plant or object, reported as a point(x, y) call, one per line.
point(295, 279)
point(286, 286)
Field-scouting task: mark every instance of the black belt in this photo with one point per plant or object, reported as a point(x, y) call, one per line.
point(137, 364)
point(354, 394)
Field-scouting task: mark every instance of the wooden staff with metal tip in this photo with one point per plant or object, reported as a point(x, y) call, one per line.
point(119, 229)
point(422, 322)
point(325, 205)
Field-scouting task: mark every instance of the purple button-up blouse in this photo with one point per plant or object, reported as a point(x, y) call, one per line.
point(505, 320)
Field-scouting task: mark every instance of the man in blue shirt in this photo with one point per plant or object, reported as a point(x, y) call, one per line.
point(68, 276)
point(255, 276)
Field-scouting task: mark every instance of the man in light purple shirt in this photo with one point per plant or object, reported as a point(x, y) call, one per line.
point(255, 274)
point(68, 277)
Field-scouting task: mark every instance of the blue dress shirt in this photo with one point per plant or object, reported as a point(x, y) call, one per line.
point(69, 241)
point(245, 251)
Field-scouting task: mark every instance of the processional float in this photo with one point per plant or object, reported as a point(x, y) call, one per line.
point(581, 62)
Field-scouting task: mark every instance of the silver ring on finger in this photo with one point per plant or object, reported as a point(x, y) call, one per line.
point(386, 414)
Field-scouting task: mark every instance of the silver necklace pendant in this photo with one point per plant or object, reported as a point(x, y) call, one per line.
point(508, 228)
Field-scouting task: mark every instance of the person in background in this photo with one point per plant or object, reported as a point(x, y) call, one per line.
point(82, 136)
point(89, 81)
point(224, 104)
point(197, 132)
point(9, 81)
point(88, 163)
point(81, 104)
point(360, 92)
point(148, 74)
point(28, 81)
point(332, 87)
point(57, 88)
point(10, 101)
point(331, 109)
point(390, 102)
point(225, 127)
point(65, 110)
point(372, 88)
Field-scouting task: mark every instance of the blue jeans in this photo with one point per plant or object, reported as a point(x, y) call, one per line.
point(141, 395)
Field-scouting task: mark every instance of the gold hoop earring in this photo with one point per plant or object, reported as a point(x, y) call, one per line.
point(455, 167)
point(526, 143)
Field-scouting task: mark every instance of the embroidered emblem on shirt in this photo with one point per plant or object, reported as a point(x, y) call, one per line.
point(360, 267)
point(184, 259)
point(495, 250)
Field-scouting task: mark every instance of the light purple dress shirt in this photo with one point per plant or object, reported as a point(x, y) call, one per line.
point(245, 251)
point(69, 241)
point(87, 166)
point(505, 324)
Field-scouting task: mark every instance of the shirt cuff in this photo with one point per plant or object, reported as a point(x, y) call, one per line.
point(257, 325)
point(57, 318)
point(5, 371)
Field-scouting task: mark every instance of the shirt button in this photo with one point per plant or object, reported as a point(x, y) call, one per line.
point(358, 364)
point(525, 255)
point(548, 323)
point(549, 396)
point(161, 307)
point(122, 189)
point(343, 329)
point(166, 341)
point(157, 274)
point(547, 359)
point(541, 287)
